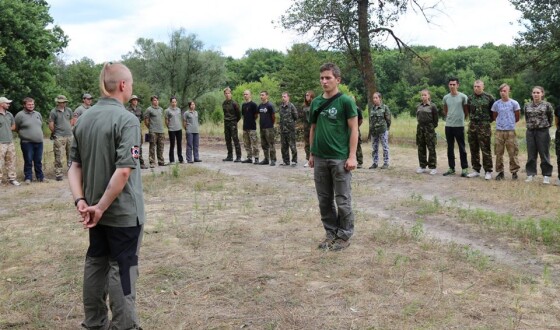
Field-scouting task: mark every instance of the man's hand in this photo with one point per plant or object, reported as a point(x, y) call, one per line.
point(351, 163)
point(311, 161)
point(94, 214)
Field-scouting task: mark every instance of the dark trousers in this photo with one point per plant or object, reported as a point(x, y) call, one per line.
point(453, 134)
point(32, 157)
point(230, 133)
point(175, 136)
point(192, 146)
point(538, 143)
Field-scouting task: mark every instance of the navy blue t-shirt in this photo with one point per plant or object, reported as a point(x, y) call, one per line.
point(249, 112)
point(266, 115)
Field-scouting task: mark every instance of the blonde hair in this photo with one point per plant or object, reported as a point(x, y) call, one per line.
point(111, 75)
point(427, 92)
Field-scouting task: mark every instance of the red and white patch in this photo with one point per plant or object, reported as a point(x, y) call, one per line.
point(135, 152)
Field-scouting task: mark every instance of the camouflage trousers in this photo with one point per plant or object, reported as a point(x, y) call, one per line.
point(288, 143)
point(384, 139)
point(230, 133)
point(306, 144)
point(267, 143)
point(140, 147)
point(557, 147)
point(156, 141)
point(8, 160)
point(426, 140)
point(359, 153)
point(250, 143)
point(61, 143)
point(506, 140)
point(479, 136)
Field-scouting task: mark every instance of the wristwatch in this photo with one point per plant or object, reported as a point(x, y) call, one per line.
point(78, 200)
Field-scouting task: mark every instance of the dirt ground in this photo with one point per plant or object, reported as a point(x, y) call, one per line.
point(230, 246)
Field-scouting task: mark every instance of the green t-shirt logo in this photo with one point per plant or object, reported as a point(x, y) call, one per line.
point(332, 113)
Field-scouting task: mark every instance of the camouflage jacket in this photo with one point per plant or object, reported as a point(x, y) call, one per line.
point(137, 112)
point(288, 117)
point(379, 119)
point(480, 108)
point(538, 115)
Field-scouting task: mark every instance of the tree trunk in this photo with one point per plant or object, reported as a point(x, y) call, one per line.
point(368, 72)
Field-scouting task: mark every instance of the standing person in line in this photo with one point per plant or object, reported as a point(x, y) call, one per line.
point(480, 133)
point(379, 124)
point(455, 109)
point(334, 137)
point(136, 110)
point(61, 121)
point(153, 119)
point(538, 115)
point(232, 115)
point(557, 141)
point(86, 104)
point(250, 114)
point(29, 125)
point(190, 122)
point(309, 96)
point(173, 122)
point(7, 148)
point(359, 153)
point(288, 117)
point(505, 112)
point(426, 137)
point(267, 117)
point(106, 185)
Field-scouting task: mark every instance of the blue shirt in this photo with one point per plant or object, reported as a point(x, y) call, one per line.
point(506, 114)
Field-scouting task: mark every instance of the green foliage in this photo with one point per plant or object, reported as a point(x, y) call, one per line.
point(77, 78)
point(28, 44)
point(271, 85)
point(209, 107)
point(255, 64)
point(300, 72)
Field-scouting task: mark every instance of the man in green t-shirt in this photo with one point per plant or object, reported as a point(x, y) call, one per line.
point(106, 184)
point(153, 118)
point(7, 148)
point(334, 137)
point(61, 120)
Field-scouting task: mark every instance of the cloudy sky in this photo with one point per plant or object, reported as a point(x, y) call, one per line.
point(105, 30)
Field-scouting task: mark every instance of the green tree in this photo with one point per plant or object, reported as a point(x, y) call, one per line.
point(77, 78)
point(29, 43)
point(255, 64)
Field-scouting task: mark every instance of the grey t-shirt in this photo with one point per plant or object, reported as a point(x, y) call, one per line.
point(79, 111)
point(106, 138)
point(192, 121)
point(29, 125)
point(455, 113)
point(61, 120)
point(6, 123)
point(156, 119)
point(173, 115)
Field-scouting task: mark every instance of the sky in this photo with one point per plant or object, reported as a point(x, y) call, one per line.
point(104, 30)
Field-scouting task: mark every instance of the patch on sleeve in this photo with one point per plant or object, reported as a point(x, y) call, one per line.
point(135, 152)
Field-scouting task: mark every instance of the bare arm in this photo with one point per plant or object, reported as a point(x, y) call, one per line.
point(51, 126)
point(351, 162)
point(517, 112)
point(466, 110)
point(445, 110)
point(311, 135)
point(75, 180)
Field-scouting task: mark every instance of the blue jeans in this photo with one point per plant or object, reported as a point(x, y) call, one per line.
point(333, 183)
point(32, 157)
point(192, 146)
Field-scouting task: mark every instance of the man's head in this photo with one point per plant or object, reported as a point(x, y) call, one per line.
point(115, 81)
point(247, 95)
point(134, 100)
point(264, 96)
point(173, 102)
point(61, 101)
point(285, 97)
point(330, 77)
point(29, 104)
point(453, 83)
point(5, 103)
point(504, 91)
point(227, 93)
point(87, 99)
point(478, 87)
point(155, 101)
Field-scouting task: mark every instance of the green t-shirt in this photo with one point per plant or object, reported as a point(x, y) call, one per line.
point(29, 126)
point(156, 119)
point(332, 135)
point(455, 113)
point(6, 123)
point(106, 138)
point(61, 120)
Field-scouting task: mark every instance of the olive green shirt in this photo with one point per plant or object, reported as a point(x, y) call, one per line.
point(61, 120)
point(29, 125)
point(6, 123)
point(106, 138)
point(155, 115)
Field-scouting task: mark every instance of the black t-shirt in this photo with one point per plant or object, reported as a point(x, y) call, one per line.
point(249, 112)
point(266, 115)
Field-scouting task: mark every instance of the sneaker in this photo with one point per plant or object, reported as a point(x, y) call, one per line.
point(247, 161)
point(190, 162)
point(474, 174)
point(44, 180)
point(227, 159)
point(284, 164)
point(373, 166)
point(449, 172)
point(294, 164)
point(326, 243)
point(27, 181)
point(263, 162)
point(433, 171)
point(546, 180)
point(420, 170)
point(464, 173)
point(272, 163)
point(529, 178)
point(488, 176)
point(306, 164)
point(15, 183)
point(339, 244)
point(514, 176)
point(198, 161)
point(58, 178)
point(152, 166)
point(237, 160)
point(500, 176)
point(385, 166)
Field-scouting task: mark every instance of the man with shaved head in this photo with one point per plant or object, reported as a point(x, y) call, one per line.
point(107, 189)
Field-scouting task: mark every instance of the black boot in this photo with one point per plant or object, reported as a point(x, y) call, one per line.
point(228, 159)
point(256, 161)
point(237, 160)
point(247, 161)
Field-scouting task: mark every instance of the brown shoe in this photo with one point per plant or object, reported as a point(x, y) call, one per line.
point(339, 244)
point(326, 243)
